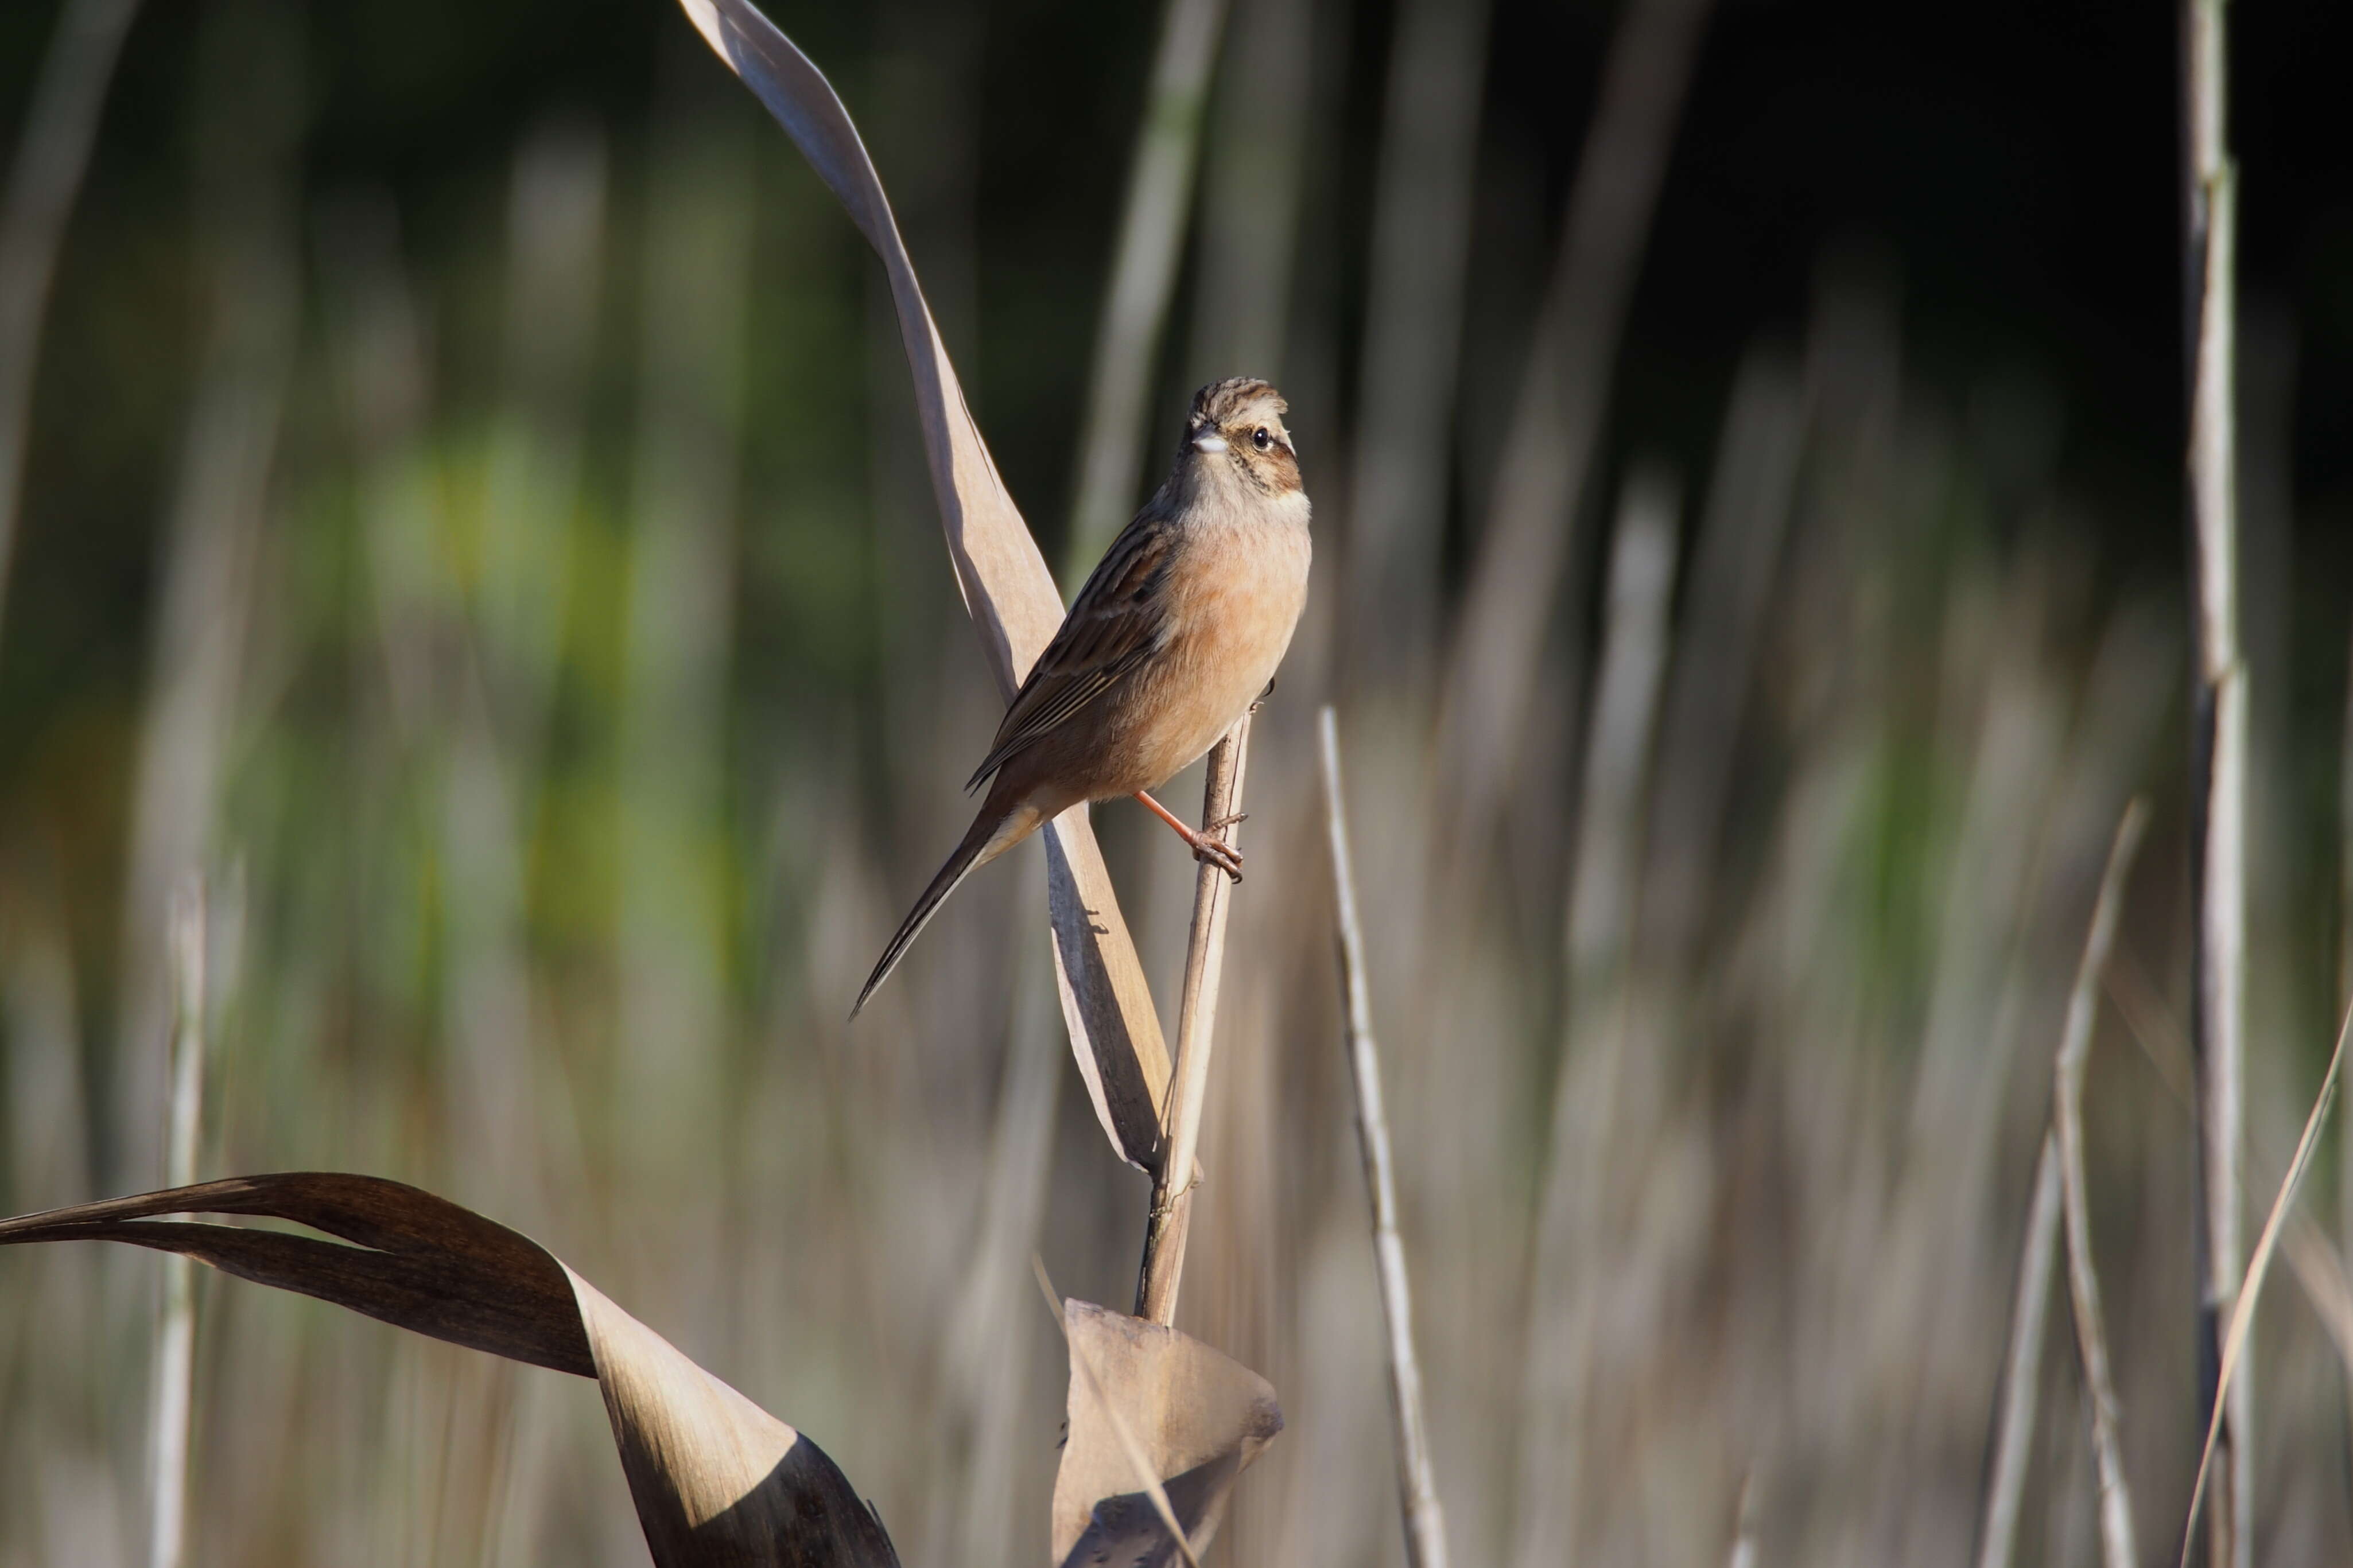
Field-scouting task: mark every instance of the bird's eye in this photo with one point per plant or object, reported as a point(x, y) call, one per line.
point(1260, 439)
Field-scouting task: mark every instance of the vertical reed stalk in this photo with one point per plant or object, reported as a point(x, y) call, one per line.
point(51, 155)
point(1606, 1093)
point(1425, 1522)
point(1205, 954)
point(2067, 1118)
point(1743, 1527)
point(681, 594)
point(250, 84)
point(1413, 327)
point(1251, 193)
point(2345, 991)
point(1556, 419)
point(176, 1335)
point(502, 680)
point(1143, 277)
point(2022, 1376)
point(1752, 489)
point(2219, 766)
point(2235, 1339)
point(988, 1362)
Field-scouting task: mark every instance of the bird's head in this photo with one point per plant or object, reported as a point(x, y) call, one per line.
point(1237, 425)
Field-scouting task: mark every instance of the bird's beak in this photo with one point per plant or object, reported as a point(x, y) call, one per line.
point(1209, 441)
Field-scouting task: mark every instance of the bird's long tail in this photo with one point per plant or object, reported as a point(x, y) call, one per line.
point(992, 833)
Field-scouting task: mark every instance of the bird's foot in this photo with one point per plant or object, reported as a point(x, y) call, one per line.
point(1210, 850)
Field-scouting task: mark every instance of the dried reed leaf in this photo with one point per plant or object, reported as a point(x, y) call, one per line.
point(717, 1480)
point(1138, 1463)
point(1200, 1416)
point(1114, 1032)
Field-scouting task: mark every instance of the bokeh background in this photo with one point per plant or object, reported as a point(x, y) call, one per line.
point(475, 520)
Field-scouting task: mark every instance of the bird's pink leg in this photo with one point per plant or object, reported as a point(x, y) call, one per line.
point(1208, 851)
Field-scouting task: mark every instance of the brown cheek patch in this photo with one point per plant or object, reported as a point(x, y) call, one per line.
point(1282, 471)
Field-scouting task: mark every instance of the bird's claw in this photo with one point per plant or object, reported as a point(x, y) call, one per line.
point(1216, 852)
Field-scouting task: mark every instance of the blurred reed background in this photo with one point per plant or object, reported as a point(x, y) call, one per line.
point(474, 517)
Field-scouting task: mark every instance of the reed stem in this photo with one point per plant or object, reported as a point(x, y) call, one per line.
point(1143, 277)
point(2022, 1376)
point(1425, 1520)
point(1205, 951)
point(2067, 1124)
point(175, 1344)
point(2218, 759)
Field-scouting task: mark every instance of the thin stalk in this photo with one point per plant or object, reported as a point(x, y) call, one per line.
point(1744, 1528)
point(1420, 247)
point(51, 157)
point(681, 591)
point(2242, 1310)
point(2022, 1377)
point(1735, 565)
point(1637, 639)
point(1205, 954)
point(1425, 1520)
point(1603, 1088)
point(2067, 1118)
point(497, 700)
point(2345, 989)
point(176, 1333)
point(1556, 419)
point(249, 88)
point(987, 1360)
point(2219, 765)
point(1143, 277)
point(1251, 193)
point(2316, 1260)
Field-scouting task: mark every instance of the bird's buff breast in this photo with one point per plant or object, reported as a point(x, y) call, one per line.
point(1231, 623)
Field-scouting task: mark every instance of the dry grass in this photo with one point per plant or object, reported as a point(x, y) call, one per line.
point(1711, 985)
point(2117, 1550)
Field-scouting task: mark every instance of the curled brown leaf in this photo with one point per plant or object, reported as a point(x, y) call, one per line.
point(716, 1479)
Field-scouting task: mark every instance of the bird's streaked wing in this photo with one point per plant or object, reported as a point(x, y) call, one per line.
point(1119, 619)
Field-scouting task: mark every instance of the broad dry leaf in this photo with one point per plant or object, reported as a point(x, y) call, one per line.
point(1114, 1032)
point(1200, 1416)
point(717, 1479)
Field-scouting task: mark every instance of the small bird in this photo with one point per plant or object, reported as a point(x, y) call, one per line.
point(1178, 631)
